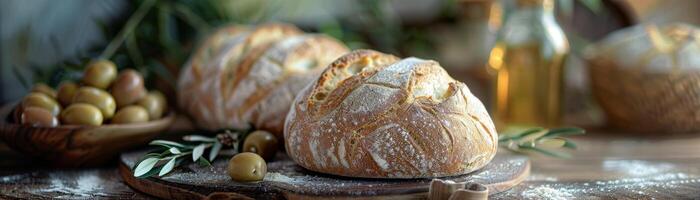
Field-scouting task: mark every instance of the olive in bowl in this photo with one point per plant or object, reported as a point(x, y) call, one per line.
point(154, 102)
point(100, 74)
point(66, 91)
point(82, 114)
point(41, 100)
point(128, 88)
point(43, 88)
point(130, 114)
point(35, 116)
point(98, 98)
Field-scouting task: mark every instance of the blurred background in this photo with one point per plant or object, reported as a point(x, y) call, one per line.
point(49, 41)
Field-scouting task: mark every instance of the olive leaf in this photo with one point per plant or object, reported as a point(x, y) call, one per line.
point(518, 135)
point(539, 140)
point(144, 166)
point(198, 151)
point(168, 166)
point(203, 162)
point(545, 152)
point(570, 145)
point(166, 143)
point(564, 132)
point(150, 173)
point(215, 150)
point(551, 143)
point(198, 138)
point(174, 150)
point(148, 155)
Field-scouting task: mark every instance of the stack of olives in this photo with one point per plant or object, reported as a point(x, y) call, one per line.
point(102, 96)
point(250, 166)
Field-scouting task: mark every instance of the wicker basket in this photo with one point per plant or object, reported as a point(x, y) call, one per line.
point(647, 79)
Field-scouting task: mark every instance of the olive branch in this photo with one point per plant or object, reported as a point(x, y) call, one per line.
point(539, 140)
point(168, 155)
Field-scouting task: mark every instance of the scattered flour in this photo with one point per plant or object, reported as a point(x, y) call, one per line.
point(85, 185)
point(547, 193)
point(538, 177)
point(666, 184)
point(277, 177)
point(637, 168)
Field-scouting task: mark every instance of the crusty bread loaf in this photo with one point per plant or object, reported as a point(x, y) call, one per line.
point(242, 76)
point(373, 115)
point(647, 78)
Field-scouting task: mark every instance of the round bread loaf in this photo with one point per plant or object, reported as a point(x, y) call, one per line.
point(373, 115)
point(647, 78)
point(245, 76)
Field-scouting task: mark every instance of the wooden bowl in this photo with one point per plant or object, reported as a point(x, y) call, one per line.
point(75, 146)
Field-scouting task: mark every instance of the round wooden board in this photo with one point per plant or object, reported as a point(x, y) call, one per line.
point(287, 180)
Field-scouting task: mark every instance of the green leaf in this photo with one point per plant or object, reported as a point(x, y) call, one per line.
point(153, 172)
point(198, 151)
point(569, 144)
point(551, 143)
point(133, 51)
point(148, 155)
point(558, 132)
point(518, 135)
point(168, 166)
point(145, 166)
point(190, 17)
point(198, 138)
point(174, 150)
point(167, 143)
point(214, 150)
point(128, 28)
point(532, 136)
point(203, 162)
point(546, 152)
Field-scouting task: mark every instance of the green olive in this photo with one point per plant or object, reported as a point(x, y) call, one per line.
point(82, 114)
point(130, 114)
point(43, 88)
point(98, 98)
point(35, 116)
point(155, 104)
point(66, 91)
point(128, 88)
point(41, 100)
point(100, 74)
point(247, 167)
point(261, 142)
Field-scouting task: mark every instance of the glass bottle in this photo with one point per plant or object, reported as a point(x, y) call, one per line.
point(528, 61)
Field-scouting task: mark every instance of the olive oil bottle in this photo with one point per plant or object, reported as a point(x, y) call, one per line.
point(527, 61)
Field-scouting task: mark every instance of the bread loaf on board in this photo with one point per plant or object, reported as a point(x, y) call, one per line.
point(250, 75)
point(374, 115)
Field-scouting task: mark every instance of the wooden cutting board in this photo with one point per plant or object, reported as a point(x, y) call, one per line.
point(287, 180)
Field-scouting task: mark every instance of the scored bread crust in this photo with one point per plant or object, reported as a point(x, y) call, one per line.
point(372, 115)
point(251, 76)
point(278, 75)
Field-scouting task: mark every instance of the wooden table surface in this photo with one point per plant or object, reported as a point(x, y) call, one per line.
point(606, 166)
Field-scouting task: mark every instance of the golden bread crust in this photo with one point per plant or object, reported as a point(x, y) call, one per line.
point(242, 76)
point(372, 115)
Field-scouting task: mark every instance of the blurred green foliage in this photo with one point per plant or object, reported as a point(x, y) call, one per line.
point(161, 41)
